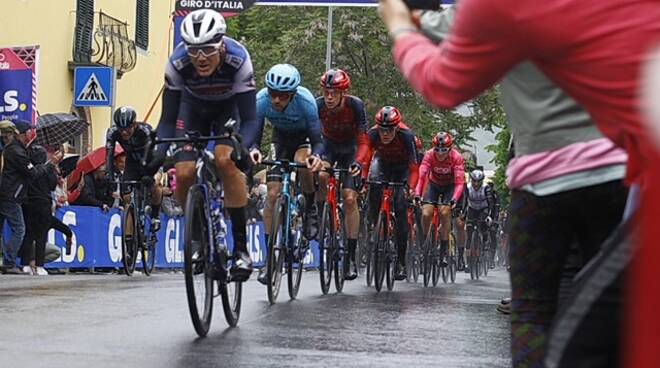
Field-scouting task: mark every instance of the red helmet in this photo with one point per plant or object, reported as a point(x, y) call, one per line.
point(388, 116)
point(443, 140)
point(336, 79)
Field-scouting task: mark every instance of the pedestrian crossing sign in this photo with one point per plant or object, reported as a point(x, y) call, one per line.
point(93, 86)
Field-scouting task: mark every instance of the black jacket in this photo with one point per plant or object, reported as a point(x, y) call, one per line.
point(95, 193)
point(40, 189)
point(17, 171)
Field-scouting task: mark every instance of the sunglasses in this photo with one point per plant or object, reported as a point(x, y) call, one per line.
point(386, 130)
point(442, 149)
point(207, 50)
point(279, 95)
point(331, 92)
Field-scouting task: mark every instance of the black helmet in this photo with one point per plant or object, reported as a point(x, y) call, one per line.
point(124, 117)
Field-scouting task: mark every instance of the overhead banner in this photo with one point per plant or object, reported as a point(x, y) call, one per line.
point(18, 83)
point(223, 6)
point(330, 3)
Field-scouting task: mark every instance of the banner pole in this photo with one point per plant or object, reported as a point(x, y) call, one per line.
point(328, 49)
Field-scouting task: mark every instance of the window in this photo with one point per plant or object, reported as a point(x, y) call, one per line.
point(82, 48)
point(142, 24)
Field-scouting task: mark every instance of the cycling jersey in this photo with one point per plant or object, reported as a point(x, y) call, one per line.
point(234, 76)
point(134, 146)
point(450, 171)
point(191, 102)
point(480, 199)
point(346, 124)
point(401, 150)
point(300, 119)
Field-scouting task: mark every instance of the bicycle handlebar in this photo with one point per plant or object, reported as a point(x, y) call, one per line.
point(387, 183)
point(435, 203)
point(285, 164)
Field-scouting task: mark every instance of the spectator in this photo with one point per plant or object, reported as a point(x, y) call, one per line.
point(118, 168)
point(17, 171)
point(256, 203)
point(95, 191)
point(35, 210)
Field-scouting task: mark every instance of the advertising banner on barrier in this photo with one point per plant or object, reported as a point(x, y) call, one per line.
point(97, 240)
point(18, 83)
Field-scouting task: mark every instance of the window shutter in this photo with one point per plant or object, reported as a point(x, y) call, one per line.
point(82, 48)
point(142, 24)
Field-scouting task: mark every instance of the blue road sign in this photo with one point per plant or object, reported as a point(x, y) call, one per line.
point(93, 86)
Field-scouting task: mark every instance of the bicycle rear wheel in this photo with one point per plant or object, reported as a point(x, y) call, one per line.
point(197, 261)
point(295, 257)
point(452, 260)
point(380, 252)
point(148, 250)
point(129, 242)
point(327, 245)
point(276, 250)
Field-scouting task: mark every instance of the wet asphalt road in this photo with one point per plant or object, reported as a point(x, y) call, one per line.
point(117, 321)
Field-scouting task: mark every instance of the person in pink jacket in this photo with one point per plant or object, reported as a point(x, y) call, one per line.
point(596, 51)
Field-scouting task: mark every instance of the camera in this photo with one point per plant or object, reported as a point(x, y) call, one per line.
point(423, 4)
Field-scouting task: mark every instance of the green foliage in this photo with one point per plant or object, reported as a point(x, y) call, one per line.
point(361, 46)
point(501, 160)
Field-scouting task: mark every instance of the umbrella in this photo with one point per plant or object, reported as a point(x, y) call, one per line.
point(55, 129)
point(68, 165)
point(89, 163)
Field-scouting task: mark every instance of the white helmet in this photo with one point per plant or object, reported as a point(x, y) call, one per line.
point(203, 26)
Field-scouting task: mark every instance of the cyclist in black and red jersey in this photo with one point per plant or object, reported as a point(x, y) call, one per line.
point(392, 146)
point(343, 127)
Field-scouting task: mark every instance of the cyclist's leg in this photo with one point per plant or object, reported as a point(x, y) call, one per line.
point(461, 236)
point(154, 161)
point(351, 212)
point(432, 194)
point(188, 119)
point(399, 173)
point(375, 192)
point(306, 180)
point(445, 217)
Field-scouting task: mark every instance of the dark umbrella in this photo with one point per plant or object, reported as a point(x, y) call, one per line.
point(55, 129)
point(68, 165)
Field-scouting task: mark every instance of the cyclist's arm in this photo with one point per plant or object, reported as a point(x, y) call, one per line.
point(459, 177)
point(413, 165)
point(480, 49)
point(110, 150)
point(314, 134)
point(365, 153)
point(263, 104)
point(247, 110)
point(424, 170)
point(169, 111)
point(490, 199)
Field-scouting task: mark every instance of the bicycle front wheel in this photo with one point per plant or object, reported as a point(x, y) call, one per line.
point(231, 294)
point(276, 250)
point(428, 259)
point(149, 251)
point(452, 260)
point(295, 257)
point(130, 239)
point(341, 262)
point(380, 252)
point(327, 245)
point(391, 258)
point(197, 261)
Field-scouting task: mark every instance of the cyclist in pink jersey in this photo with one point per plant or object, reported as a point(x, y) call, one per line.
point(443, 169)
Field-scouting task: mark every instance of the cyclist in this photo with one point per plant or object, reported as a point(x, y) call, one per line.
point(343, 128)
point(443, 168)
point(292, 111)
point(133, 137)
point(495, 226)
point(208, 80)
point(392, 155)
point(480, 207)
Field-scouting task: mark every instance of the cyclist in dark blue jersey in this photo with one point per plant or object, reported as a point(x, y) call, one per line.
point(291, 109)
point(208, 80)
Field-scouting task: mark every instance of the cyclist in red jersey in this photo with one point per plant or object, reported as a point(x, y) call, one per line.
point(343, 128)
point(392, 147)
point(443, 169)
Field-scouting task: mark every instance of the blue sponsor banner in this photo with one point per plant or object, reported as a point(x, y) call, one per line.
point(97, 240)
point(18, 83)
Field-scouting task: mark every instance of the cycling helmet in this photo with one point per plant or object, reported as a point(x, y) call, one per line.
point(443, 140)
point(388, 116)
point(203, 26)
point(283, 78)
point(124, 117)
point(477, 175)
point(336, 79)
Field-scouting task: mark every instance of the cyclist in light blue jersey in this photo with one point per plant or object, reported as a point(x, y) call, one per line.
point(291, 110)
point(208, 80)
